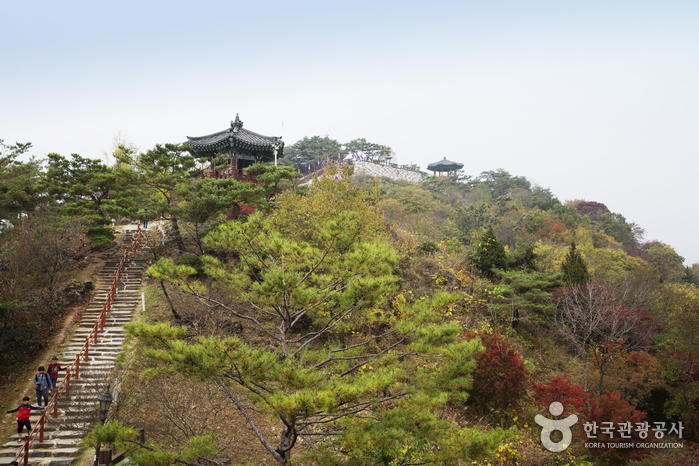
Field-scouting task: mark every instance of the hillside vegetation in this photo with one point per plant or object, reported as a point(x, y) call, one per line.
point(364, 322)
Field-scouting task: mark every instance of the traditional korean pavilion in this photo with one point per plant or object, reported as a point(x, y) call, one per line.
point(241, 146)
point(444, 166)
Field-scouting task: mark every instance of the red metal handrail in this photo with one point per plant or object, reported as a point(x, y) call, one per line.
point(64, 386)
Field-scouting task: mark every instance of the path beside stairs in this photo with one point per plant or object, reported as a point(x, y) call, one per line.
point(75, 415)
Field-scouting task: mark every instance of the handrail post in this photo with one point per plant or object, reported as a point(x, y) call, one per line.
point(26, 450)
point(77, 366)
point(105, 456)
point(97, 324)
point(55, 406)
point(87, 348)
point(68, 385)
point(42, 420)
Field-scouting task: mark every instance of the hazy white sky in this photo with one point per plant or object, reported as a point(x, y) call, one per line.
point(597, 100)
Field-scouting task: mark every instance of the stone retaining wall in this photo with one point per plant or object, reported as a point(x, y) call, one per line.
point(372, 169)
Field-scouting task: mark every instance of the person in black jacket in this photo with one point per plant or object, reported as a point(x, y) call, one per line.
point(23, 416)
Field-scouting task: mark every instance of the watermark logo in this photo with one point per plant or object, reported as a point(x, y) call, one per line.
point(618, 435)
point(551, 425)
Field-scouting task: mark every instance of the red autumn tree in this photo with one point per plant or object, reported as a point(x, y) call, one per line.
point(561, 389)
point(240, 210)
point(500, 378)
point(590, 208)
point(611, 408)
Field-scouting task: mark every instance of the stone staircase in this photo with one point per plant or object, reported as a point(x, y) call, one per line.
point(75, 415)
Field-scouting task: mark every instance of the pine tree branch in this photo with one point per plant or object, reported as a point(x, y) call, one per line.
point(177, 460)
point(330, 352)
point(249, 420)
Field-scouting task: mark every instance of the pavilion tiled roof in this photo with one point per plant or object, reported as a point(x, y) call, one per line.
point(236, 137)
point(445, 165)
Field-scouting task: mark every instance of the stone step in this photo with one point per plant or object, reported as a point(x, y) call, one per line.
point(116, 312)
point(42, 461)
point(96, 357)
point(74, 424)
point(91, 325)
point(103, 340)
point(45, 447)
point(106, 345)
point(74, 436)
point(110, 316)
point(96, 352)
point(108, 334)
point(110, 342)
point(110, 323)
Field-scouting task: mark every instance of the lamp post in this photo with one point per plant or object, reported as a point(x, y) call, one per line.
point(105, 400)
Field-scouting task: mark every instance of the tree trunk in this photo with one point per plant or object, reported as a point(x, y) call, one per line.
point(178, 235)
point(197, 238)
point(169, 301)
point(588, 405)
point(173, 220)
point(284, 331)
point(285, 445)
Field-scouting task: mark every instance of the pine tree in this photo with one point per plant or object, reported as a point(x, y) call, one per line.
point(91, 190)
point(159, 173)
point(574, 269)
point(489, 254)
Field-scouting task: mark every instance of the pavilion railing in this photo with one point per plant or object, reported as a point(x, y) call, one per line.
point(74, 369)
point(233, 173)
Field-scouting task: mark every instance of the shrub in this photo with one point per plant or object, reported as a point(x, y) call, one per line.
point(500, 378)
point(427, 248)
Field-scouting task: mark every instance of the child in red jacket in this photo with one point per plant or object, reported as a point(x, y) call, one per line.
point(54, 367)
point(23, 416)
